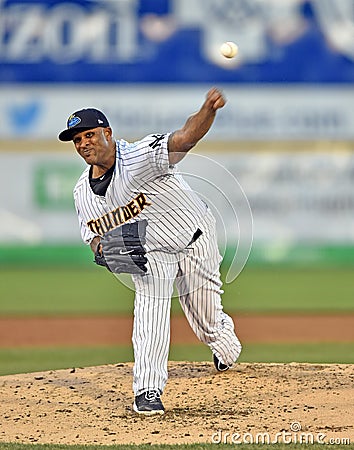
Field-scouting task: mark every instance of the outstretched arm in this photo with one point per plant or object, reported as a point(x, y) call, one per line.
point(196, 126)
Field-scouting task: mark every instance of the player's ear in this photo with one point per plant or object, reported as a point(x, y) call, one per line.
point(107, 132)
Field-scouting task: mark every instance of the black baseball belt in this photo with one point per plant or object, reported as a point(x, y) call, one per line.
point(196, 235)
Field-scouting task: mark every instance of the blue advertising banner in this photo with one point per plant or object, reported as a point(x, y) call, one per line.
point(176, 41)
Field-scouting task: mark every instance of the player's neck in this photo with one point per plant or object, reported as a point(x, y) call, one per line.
point(100, 169)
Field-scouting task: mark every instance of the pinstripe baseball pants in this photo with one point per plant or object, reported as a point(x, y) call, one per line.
point(197, 278)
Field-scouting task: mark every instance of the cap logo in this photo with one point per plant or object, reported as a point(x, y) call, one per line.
point(73, 121)
point(100, 121)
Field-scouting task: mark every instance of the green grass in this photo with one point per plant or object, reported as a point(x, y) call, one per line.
point(56, 291)
point(23, 360)
point(95, 291)
point(168, 447)
point(290, 290)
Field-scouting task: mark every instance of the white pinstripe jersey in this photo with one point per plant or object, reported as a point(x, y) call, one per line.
point(143, 186)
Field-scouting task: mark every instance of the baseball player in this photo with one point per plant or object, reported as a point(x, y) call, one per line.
point(140, 217)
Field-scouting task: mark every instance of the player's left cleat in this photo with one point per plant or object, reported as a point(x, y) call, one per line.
point(219, 366)
point(148, 403)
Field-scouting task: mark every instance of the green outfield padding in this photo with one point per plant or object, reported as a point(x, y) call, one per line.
point(300, 255)
point(276, 254)
point(44, 255)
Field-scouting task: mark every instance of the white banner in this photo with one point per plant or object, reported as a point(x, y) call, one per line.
point(304, 197)
point(252, 113)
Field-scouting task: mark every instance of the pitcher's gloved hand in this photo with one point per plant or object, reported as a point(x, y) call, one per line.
point(121, 250)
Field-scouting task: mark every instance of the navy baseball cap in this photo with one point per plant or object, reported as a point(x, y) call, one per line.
point(82, 120)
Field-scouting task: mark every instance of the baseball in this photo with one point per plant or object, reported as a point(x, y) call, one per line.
point(229, 49)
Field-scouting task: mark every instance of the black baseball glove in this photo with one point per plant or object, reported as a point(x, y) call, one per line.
point(121, 250)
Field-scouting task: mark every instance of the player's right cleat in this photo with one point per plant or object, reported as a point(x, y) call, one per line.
point(148, 403)
point(219, 366)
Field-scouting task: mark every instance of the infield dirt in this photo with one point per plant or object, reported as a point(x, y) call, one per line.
point(251, 401)
point(51, 331)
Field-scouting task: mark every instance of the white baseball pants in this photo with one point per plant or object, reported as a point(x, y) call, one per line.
point(197, 277)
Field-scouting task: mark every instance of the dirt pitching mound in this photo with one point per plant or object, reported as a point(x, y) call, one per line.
point(250, 403)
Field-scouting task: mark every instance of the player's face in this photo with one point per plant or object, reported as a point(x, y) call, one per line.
point(93, 145)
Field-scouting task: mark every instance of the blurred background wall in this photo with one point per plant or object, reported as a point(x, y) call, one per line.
point(286, 134)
